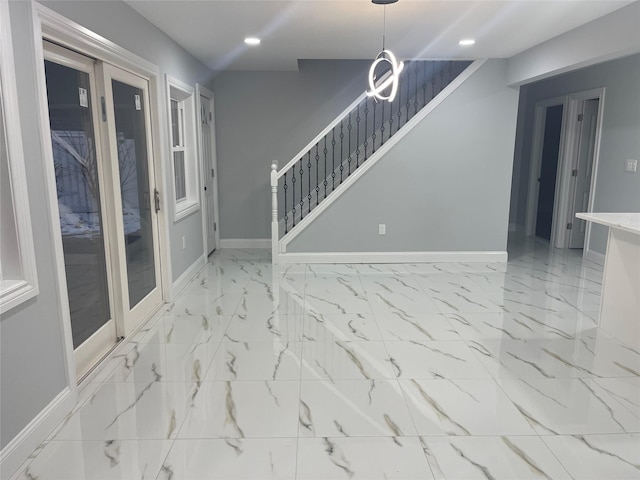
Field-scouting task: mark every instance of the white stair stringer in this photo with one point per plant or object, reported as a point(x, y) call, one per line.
point(377, 156)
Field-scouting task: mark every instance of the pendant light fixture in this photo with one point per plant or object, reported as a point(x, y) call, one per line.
point(377, 91)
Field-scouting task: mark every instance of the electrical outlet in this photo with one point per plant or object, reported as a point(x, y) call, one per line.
point(382, 229)
point(631, 166)
point(184, 242)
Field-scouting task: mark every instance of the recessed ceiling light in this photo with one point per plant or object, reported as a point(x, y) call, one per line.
point(253, 41)
point(466, 42)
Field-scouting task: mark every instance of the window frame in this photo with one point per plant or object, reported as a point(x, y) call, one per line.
point(21, 282)
point(184, 95)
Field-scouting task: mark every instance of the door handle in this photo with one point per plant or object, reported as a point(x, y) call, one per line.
point(156, 200)
point(205, 188)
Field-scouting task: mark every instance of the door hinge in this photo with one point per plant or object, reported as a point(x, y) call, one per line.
point(213, 173)
point(580, 117)
point(574, 172)
point(103, 103)
point(156, 200)
point(569, 226)
point(215, 227)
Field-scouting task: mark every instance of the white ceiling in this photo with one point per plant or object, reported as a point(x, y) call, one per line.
point(214, 30)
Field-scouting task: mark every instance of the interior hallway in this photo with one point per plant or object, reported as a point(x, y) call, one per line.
point(364, 371)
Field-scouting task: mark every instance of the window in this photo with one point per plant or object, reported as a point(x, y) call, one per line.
point(18, 280)
point(183, 148)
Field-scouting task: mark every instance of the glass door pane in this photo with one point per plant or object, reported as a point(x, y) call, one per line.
point(78, 188)
point(131, 140)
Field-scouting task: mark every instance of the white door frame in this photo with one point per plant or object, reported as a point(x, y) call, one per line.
point(564, 184)
point(539, 121)
point(50, 25)
point(202, 91)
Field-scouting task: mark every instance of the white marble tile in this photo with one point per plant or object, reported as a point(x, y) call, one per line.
point(215, 304)
point(345, 361)
point(275, 360)
point(411, 304)
point(355, 327)
point(367, 458)
point(598, 457)
point(626, 390)
point(556, 358)
point(519, 326)
point(386, 269)
point(433, 268)
point(462, 302)
point(98, 460)
point(482, 267)
point(262, 306)
point(130, 411)
point(231, 459)
point(336, 269)
point(246, 409)
point(434, 360)
point(187, 329)
point(275, 326)
point(486, 457)
point(569, 406)
point(463, 407)
point(353, 408)
point(390, 283)
point(335, 295)
point(397, 326)
point(168, 362)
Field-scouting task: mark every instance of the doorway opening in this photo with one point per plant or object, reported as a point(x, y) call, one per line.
point(562, 176)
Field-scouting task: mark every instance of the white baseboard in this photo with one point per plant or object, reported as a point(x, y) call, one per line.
point(186, 276)
point(595, 257)
point(17, 451)
point(245, 243)
point(393, 257)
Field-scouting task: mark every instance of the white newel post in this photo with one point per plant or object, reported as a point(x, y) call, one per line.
point(274, 213)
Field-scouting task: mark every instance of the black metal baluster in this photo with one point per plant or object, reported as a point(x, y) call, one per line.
point(341, 149)
point(366, 138)
point(325, 166)
point(293, 194)
point(357, 136)
point(349, 147)
point(309, 190)
point(333, 159)
point(408, 105)
point(373, 135)
point(391, 118)
point(301, 192)
point(433, 80)
point(450, 71)
point(317, 176)
point(441, 76)
point(382, 124)
point(399, 108)
point(415, 98)
point(286, 217)
point(424, 84)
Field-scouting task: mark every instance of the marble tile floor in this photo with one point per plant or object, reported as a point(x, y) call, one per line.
point(426, 371)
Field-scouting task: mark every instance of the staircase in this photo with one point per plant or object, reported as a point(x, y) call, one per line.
point(335, 157)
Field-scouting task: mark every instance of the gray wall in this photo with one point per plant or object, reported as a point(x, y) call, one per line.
point(444, 187)
point(616, 190)
point(263, 117)
point(32, 370)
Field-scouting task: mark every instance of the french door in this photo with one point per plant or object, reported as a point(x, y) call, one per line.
point(101, 141)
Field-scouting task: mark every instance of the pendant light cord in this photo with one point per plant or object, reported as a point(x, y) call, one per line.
point(384, 24)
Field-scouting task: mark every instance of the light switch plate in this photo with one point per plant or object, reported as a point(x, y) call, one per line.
point(631, 165)
point(382, 229)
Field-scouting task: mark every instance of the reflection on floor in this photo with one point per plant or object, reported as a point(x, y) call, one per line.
point(364, 371)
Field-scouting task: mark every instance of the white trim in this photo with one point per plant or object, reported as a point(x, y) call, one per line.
point(17, 451)
point(14, 291)
point(535, 164)
point(380, 153)
point(187, 275)
point(66, 32)
point(245, 243)
point(394, 257)
point(593, 256)
point(202, 91)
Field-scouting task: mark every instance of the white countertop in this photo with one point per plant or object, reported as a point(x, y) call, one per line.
point(624, 221)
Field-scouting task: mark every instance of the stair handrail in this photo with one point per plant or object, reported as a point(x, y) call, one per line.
point(327, 129)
